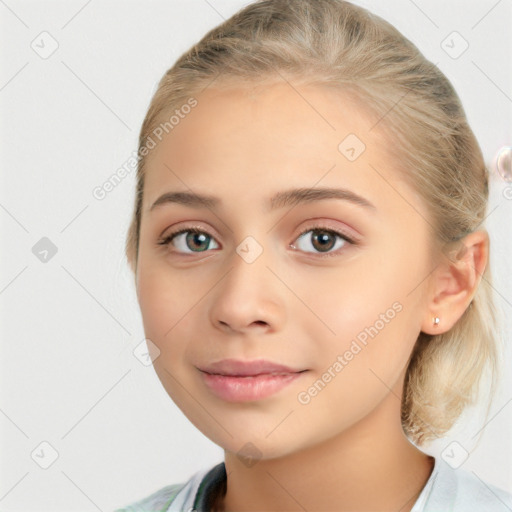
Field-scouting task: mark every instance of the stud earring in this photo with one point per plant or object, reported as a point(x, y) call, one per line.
point(435, 320)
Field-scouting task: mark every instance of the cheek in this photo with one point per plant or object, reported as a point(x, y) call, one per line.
point(366, 310)
point(170, 303)
point(356, 369)
point(167, 315)
point(162, 304)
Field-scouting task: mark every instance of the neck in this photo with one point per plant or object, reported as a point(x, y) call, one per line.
point(371, 466)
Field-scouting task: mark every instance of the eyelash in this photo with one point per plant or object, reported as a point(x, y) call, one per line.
point(169, 238)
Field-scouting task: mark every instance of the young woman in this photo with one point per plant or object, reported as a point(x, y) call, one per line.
point(311, 264)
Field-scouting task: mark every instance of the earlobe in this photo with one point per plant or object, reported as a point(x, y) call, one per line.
point(455, 282)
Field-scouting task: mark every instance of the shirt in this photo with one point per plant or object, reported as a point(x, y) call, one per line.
point(446, 490)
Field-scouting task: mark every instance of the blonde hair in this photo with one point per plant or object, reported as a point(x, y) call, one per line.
point(335, 43)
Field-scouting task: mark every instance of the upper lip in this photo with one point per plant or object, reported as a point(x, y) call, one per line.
point(238, 367)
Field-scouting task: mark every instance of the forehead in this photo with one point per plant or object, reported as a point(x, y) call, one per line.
point(243, 140)
point(279, 113)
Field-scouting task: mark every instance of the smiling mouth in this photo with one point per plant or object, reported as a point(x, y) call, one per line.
point(243, 368)
point(239, 380)
point(251, 376)
point(246, 388)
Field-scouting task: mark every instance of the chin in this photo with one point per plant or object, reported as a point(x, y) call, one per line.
point(252, 448)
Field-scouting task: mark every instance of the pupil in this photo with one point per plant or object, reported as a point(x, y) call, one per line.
point(192, 238)
point(323, 238)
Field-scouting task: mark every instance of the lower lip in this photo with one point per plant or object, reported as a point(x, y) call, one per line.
point(242, 389)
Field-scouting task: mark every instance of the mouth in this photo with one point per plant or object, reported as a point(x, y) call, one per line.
point(242, 381)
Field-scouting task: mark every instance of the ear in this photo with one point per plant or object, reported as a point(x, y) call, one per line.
point(455, 281)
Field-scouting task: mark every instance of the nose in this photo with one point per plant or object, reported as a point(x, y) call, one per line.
point(249, 298)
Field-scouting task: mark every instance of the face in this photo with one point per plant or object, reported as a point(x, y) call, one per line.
point(327, 285)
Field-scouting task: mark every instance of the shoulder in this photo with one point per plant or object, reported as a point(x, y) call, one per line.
point(169, 498)
point(459, 490)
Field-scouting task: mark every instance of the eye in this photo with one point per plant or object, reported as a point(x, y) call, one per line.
point(323, 240)
point(194, 240)
point(189, 238)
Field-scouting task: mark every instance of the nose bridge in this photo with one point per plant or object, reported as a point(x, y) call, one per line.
point(249, 291)
point(249, 266)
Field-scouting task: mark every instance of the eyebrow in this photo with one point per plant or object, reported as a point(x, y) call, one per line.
point(285, 198)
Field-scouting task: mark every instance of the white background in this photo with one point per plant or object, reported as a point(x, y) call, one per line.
point(69, 326)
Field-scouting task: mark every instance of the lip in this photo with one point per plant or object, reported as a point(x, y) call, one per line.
point(240, 381)
point(241, 368)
